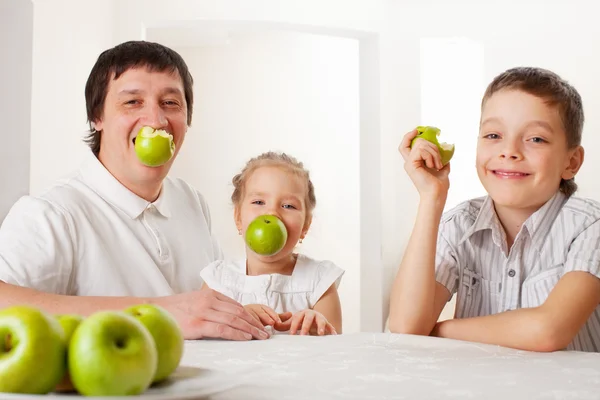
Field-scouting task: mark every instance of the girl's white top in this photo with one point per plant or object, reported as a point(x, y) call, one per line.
point(299, 291)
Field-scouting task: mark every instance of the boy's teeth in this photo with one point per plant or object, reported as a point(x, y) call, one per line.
point(510, 173)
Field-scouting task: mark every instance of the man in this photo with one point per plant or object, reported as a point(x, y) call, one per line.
point(117, 232)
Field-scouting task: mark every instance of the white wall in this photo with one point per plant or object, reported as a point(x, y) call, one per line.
point(560, 35)
point(16, 23)
point(68, 36)
point(281, 91)
point(513, 33)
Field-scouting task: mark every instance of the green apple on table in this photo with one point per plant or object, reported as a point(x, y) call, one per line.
point(431, 133)
point(111, 353)
point(32, 351)
point(154, 147)
point(167, 335)
point(266, 235)
point(69, 323)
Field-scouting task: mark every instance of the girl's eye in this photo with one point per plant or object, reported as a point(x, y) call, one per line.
point(289, 206)
point(492, 136)
point(258, 202)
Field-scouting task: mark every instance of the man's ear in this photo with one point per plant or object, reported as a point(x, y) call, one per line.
point(97, 125)
point(574, 163)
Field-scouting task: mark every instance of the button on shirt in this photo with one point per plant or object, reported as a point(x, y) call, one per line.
point(89, 235)
point(473, 259)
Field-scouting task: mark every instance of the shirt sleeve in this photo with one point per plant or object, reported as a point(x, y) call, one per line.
point(446, 270)
point(36, 246)
point(584, 252)
point(327, 274)
point(218, 277)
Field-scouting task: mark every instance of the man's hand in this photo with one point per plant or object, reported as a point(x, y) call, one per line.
point(210, 314)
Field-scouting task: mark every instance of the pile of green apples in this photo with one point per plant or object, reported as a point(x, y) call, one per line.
point(109, 353)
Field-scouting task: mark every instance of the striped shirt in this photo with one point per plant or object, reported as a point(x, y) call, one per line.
point(473, 260)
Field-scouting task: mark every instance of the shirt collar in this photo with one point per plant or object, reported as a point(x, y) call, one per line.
point(537, 225)
point(487, 219)
point(97, 177)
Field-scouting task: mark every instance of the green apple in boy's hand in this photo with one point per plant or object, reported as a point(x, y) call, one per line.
point(431, 133)
point(167, 337)
point(32, 351)
point(111, 354)
point(154, 147)
point(266, 235)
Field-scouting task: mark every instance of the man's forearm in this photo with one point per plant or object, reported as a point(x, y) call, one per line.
point(59, 304)
point(524, 329)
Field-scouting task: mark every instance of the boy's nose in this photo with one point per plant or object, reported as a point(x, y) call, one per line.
point(511, 151)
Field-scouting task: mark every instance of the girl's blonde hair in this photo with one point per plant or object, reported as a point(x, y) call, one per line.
point(274, 159)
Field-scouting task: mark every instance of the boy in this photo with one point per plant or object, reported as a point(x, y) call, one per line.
point(524, 260)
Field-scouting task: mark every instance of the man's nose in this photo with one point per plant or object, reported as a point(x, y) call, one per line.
point(155, 117)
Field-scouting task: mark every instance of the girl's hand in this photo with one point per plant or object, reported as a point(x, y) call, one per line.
point(423, 164)
point(265, 314)
point(309, 322)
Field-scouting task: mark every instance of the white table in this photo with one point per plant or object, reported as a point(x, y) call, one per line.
point(386, 366)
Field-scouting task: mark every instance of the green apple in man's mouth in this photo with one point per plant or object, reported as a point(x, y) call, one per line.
point(154, 147)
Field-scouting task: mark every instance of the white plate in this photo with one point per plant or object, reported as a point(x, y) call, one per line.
point(185, 383)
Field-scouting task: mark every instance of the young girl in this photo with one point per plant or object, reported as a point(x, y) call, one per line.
point(287, 291)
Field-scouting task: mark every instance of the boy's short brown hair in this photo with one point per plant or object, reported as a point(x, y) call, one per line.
point(555, 91)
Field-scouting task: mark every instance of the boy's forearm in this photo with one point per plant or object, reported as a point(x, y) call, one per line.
point(413, 293)
point(59, 304)
point(524, 329)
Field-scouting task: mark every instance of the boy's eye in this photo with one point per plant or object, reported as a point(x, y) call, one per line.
point(492, 136)
point(538, 140)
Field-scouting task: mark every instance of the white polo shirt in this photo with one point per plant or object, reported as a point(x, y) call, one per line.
point(89, 235)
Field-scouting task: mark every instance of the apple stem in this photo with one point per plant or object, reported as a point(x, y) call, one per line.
point(7, 342)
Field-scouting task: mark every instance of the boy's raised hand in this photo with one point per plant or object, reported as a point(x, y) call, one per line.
point(423, 165)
